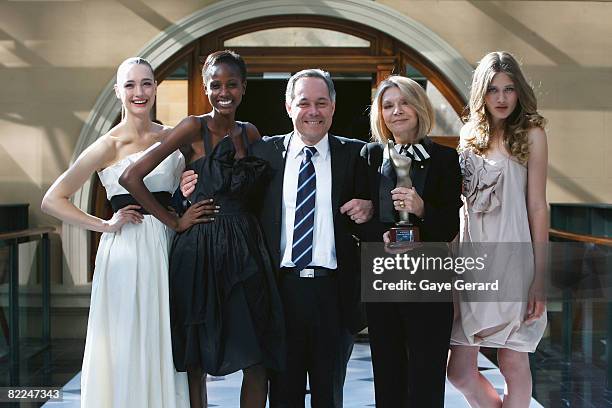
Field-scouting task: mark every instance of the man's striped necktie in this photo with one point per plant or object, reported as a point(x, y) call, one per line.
point(303, 225)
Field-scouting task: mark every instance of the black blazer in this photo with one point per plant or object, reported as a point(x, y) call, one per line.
point(438, 182)
point(348, 171)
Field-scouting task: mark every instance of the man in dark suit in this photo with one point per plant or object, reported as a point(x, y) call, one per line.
point(317, 181)
point(308, 212)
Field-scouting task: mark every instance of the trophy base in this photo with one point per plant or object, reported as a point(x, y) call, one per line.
point(403, 235)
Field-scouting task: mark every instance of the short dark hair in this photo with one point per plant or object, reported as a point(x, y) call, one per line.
point(224, 57)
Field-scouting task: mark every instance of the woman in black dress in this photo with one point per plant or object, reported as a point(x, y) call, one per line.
point(225, 310)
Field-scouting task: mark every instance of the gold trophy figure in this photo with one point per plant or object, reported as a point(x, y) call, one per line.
point(403, 231)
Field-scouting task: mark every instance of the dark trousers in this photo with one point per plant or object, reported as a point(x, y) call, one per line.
point(409, 344)
point(317, 344)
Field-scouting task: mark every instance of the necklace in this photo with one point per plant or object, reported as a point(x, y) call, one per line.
point(230, 130)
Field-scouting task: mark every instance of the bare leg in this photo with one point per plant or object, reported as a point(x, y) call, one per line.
point(204, 392)
point(194, 377)
point(514, 365)
point(463, 373)
point(254, 391)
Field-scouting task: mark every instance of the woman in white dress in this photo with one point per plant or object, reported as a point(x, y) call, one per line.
point(128, 352)
point(503, 155)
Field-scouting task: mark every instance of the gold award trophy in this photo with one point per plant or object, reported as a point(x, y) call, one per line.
point(403, 231)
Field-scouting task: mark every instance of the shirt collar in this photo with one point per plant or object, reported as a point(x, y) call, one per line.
point(296, 145)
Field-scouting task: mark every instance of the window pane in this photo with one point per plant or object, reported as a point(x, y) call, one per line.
point(447, 122)
point(172, 93)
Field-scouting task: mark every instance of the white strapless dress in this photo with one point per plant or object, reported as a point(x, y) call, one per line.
point(128, 352)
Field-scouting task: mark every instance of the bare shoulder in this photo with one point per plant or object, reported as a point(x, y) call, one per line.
point(193, 122)
point(184, 134)
point(162, 131)
point(162, 128)
point(537, 140)
point(536, 135)
point(100, 153)
point(252, 132)
point(538, 147)
point(108, 141)
point(117, 138)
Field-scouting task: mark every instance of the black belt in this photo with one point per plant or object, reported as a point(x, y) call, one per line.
point(310, 272)
point(123, 200)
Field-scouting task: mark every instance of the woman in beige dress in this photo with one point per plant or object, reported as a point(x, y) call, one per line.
point(503, 155)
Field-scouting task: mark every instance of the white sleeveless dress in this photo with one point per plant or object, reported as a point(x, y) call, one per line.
point(128, 351)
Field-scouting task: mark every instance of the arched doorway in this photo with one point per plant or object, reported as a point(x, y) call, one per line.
point(394, 40)
point(357, 56)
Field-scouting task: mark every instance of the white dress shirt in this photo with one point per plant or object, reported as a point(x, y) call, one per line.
point(324, 247)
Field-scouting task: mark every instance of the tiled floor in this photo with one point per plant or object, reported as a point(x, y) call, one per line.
point(557, 383)
point(358, 391)
point(575, 384)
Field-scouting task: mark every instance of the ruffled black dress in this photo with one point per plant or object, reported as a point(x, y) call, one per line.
point(225, 311)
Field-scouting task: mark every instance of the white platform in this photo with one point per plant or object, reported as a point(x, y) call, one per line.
point(224, 392)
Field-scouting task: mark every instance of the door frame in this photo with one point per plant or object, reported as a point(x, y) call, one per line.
point(385, 56)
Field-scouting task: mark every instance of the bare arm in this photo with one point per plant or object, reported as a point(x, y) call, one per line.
point(252, 132)
point(56, 201)
point(252, 135)
point(132, 178)
point(537, 211)
point(537, 207)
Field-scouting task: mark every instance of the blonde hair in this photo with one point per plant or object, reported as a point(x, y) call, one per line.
point(415, 96)
point(524, 117)
point(125, 65)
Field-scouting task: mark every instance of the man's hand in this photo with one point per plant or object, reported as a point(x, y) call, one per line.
point(189, 179)
point(360, 211)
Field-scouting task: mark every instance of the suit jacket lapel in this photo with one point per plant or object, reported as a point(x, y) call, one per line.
point(387, 183)
point(339, 159)
point(278, 157)
point(277, 162)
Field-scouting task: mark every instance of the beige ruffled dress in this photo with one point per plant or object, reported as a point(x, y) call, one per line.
point(495, 212)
